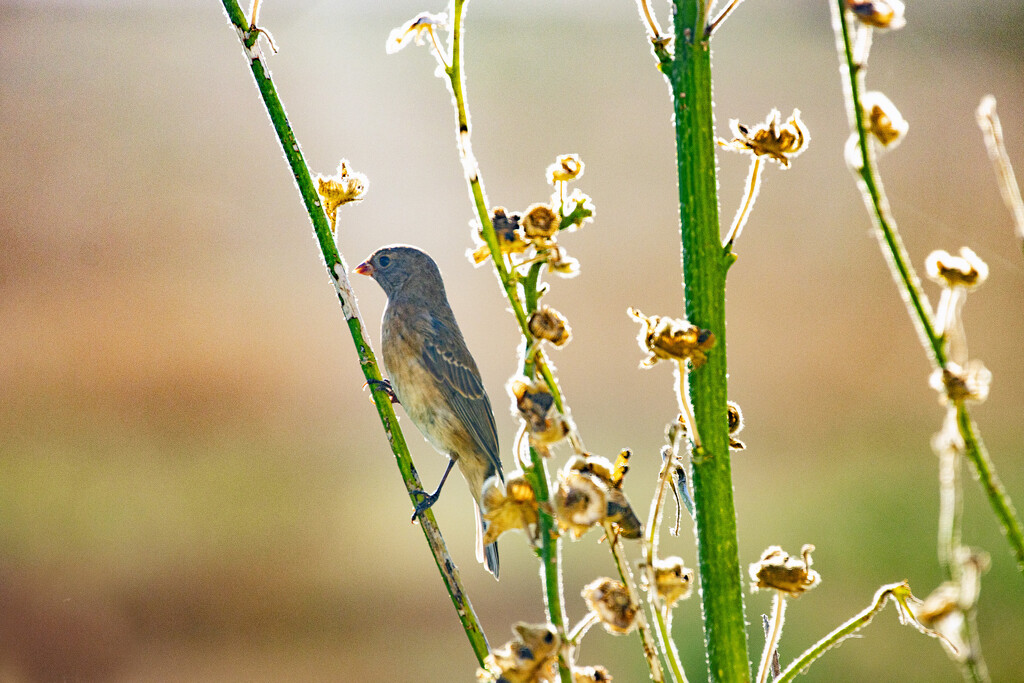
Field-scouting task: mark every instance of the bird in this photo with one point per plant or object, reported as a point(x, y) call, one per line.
point(433, 376)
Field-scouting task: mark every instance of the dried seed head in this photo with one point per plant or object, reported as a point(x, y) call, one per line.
point(561, 263)
point(344, 187)
point(620, 513)
point(735, 426)
point(530, 657)
point(878, 13)
point(884, 120)
point(966, 270)
point(593, 465)
point(780, 142)
point(580, 502)
point(672, 339)
point(609, 479)
point(508, 232)
point(508, 506)
point(539, 222)
point(790, 575)
point(956, 384)
point(673, 580)
point(590, 674)
point(566, 167)
point(547, 323)
point(536, 405)
point(609, 600)
point(415, 28)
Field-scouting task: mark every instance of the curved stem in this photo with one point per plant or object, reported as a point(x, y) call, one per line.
point(910, 286)
point(772, 640)
point(338, 272)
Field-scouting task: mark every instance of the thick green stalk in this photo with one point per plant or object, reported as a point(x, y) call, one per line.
point(910, 286)
point(338, 272)
point(704, 269)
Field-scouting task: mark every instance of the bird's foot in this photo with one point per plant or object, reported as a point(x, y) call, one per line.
point(428, 502)
point(385, 386)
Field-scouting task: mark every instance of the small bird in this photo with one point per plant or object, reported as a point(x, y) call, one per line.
point(433, 375)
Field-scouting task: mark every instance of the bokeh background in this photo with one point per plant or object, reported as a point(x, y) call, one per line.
point(193, 486)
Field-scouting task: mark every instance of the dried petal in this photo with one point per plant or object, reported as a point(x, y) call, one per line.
point(966, 270)
point(414, 28)
point(508, 506)
point(566, 167)
point(790, 575)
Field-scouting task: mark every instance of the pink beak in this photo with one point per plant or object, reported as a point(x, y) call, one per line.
point(364, 268)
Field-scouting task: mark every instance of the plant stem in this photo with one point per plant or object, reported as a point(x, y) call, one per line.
point(910, 286)
point(338, 272)
point(704, 269)
point(771, 641)
point(649, 647)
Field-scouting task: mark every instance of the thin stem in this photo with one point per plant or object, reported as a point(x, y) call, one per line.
point(704, 269)
point(771, 642)
point(949, 448)
point(992, 130)
point(906, 278)
point(649, 647)
point(338, 272)
point(753, 185)
point(580, 629)
point(722, 16)
point(652, 23)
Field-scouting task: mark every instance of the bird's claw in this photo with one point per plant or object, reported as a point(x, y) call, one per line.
point(428, 502)
point(385, 386)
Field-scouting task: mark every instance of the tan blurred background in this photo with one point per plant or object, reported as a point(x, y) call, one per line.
point(193, 486)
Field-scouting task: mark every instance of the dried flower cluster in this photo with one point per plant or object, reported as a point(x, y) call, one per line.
point(667, 338)
point(535, 404)
point(609, 600)
point(789, 575)
point(777, 141)
point(344, 187)
point(589, 493)
point(530, 657)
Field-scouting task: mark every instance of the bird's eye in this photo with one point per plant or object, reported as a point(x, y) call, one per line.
point(384, 261)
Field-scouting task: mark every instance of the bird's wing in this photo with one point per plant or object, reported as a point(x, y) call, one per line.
point(453, 368)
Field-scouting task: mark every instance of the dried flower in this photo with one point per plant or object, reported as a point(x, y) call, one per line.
point(508, 506)
point(566, 167)
point(547, 323)
point(562, 264)
point(672, 339)
point(508, 232)
point(609, 479)
point(343, 188)
point(966, 270)
point(672, 579)
point(878, 13)
point(590, 674)
point(536, 405)
point(530, 657)
point(580, 502)
point(539, 222)
point(790, 575)
point(945, 610)
point(884, 120)
point(958, 384)
point(416, 27)
point(735, 425)
point(609, 600)
point(770, 139)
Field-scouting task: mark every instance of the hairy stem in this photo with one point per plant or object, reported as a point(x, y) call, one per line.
point(704, 269)
point(338, 272)
point(910, 287)
point(771, 642)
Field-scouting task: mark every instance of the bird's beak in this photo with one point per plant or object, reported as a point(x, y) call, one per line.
point(364, 268)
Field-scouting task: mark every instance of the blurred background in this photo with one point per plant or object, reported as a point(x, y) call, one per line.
point(193, 485)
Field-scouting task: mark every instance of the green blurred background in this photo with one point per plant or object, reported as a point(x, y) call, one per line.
point(193, 486)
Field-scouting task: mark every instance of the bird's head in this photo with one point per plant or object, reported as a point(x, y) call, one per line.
point(397, 267)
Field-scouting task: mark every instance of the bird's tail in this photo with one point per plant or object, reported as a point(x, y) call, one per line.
point(485, 554)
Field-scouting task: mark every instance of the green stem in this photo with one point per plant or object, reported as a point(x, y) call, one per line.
point(910, 286)
point(338, 272)
point(704, 269)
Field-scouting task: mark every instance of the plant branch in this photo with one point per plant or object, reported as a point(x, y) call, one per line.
point(704, 269)
point(338, 271)
point(992, 130)
point(910, 286)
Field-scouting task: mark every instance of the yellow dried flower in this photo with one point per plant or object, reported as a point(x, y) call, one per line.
point(342, 188)
point(784, 573)
point(672, 579)
point(508, 232)
point(609, 600)
point(781, 142)
point(878, 13)
point(884, 120)
point(508, 506)
point(566, 167)
point(547, 323)
point(580, 502)
point(423, 23)
point(966, 270)
point(562, 264)
point(957, 384)
point(672, 339)
point(539, 222)
point(530, 657)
